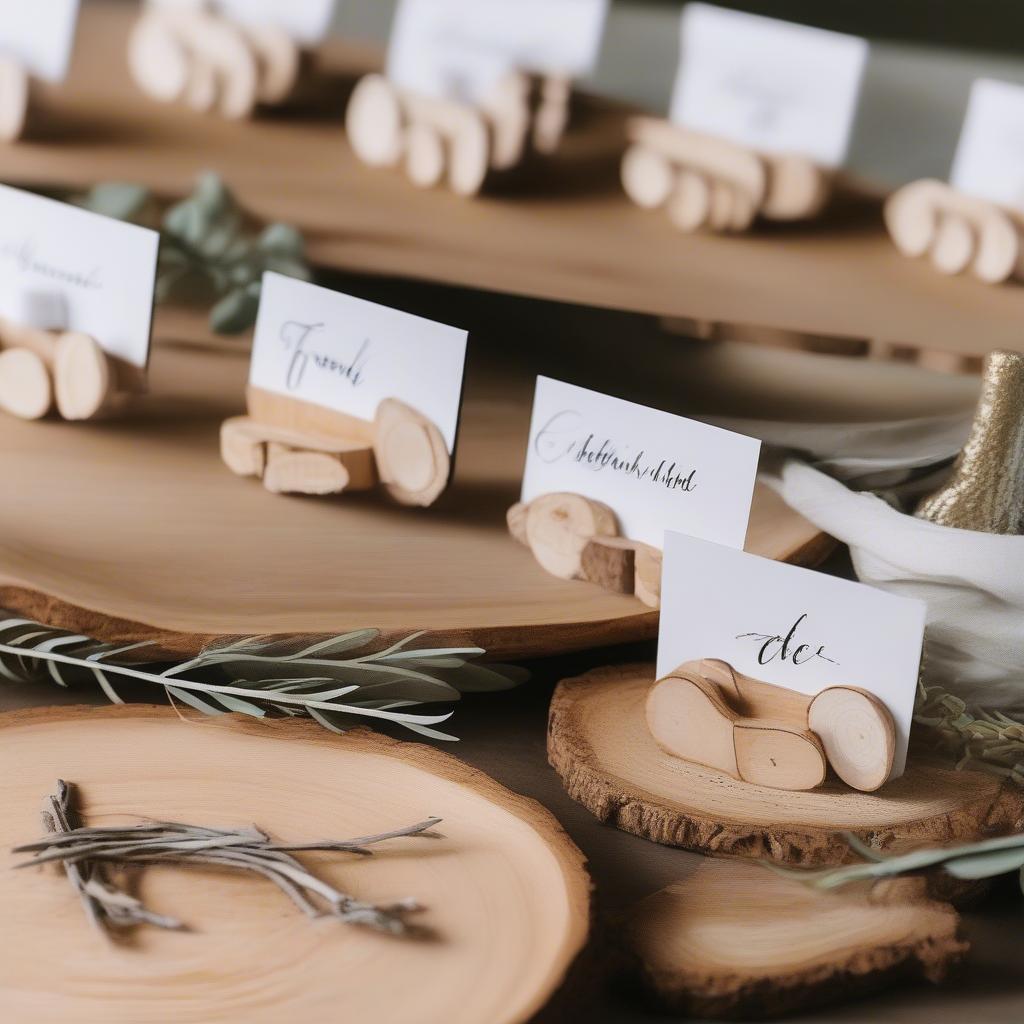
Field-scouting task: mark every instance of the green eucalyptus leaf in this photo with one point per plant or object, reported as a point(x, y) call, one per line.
point(987, 865)
point(119, 199)
point(282, 240)
point(234, 313)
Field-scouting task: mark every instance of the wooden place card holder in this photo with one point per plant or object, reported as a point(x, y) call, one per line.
point(17, 86)
point(704, 182)
point(297, 447)
point(767, 735)
point(577, 538)
point(438, 140)
point(202, 58)
point(958, 232)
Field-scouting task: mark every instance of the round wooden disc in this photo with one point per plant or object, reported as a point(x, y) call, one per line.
point(373, 122)
point(157, 60)
point(81, 375)
point(137, 529)
point(25, 388)
point(14, 99)
point(599, 743)
point(505, 891)
point(647, 177)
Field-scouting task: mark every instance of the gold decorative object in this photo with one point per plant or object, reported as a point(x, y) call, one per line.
point(986, 489)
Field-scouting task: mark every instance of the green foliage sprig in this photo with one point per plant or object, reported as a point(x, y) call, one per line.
point(207, 248)
point(325, 679)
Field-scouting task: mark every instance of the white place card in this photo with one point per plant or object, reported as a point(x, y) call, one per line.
point(789, 626)
point(306, 21)
point(768, 84)
point(656, 471)
point(40, 35)
point(97, 271)
point(460, 49)
point(347, 354)
point(989, 161)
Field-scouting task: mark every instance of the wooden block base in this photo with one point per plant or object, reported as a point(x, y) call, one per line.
point(599, 743)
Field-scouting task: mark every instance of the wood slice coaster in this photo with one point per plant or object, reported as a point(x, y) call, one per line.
point(134, 529)
point(599, 743)
point(505, 892)
point(574, 238)
point(734, 939)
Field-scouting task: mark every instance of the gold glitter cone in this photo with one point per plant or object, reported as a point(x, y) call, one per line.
point(986, 490)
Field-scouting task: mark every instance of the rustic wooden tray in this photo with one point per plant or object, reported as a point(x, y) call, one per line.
point(134, 529)
point(505, 892)
point(572, 236)
point(599, 743)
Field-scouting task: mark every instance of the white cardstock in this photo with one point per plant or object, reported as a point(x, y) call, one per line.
point(793, 627)
point(99, 272)
point(460, 49)
point(768, 84)
point(40, 34)
point(989, 160)
point(347, 354)
point(306, 21)
point(656, 471)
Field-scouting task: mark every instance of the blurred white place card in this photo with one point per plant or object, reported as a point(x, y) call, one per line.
point(768, 84)
point(989, 161)
point(460, 49)
point(98, 272)
point(306, 21)
point(346, 354)
point(655, 470)
point(40, 36)
point(789, 626)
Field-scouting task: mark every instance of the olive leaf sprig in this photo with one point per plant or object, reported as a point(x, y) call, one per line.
point(207, 248)
point(326, 679)
point(984, 859)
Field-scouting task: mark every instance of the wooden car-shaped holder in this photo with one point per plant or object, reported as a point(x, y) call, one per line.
point(957, 232)
point(461, 144)
point(708, 183)
point(195, 56)
point(767, 735)
point(295, 447)
point(577, 538)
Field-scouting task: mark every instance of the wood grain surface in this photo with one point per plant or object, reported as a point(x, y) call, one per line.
point(570, 234)
point(133, 528)
point(599, 743)
point(505, 891)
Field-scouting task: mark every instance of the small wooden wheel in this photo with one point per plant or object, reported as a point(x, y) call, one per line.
point(689, 206)
point(158, 61)
point(559, 526)
point(647, 176)
point(373, 122)
point(14, 97)
point(424, 155)
point(25, 389)
point(412, 459)
point(955, 244)
point(82, 378)
point(470, 154)
point(278, 61)
point(857, 733)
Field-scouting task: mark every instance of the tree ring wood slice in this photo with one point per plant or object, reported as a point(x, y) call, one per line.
point(559, 526)
point(15, 90)
point(82, 378)
point(599, 743)
point(858, 734)
point(736, 940)
point(505, 891)
point(25, 387)
point(412, 458)
point(374, 122)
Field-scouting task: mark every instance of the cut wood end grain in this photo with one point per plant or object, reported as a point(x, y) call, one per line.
point(559, 526)
point(15, 94)
point(412, 458)
point(736, 939)
point(25, 388)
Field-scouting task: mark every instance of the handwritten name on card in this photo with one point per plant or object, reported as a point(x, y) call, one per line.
point(40, 35)
point(989, 161)
point(460, 49)
point(789, 626)
point(656, 471)
point(98, 271)
point(768, 84)
point(347, 354)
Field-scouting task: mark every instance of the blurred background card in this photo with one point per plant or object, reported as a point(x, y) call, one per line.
point(40, 35)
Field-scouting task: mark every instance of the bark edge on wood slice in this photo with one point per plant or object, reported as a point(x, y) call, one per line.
point(599, 744)
point(738, 940)
point(495, 841)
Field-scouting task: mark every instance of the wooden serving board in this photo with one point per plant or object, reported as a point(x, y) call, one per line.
point(506, 893)
point(134, 529)
point(571, 236)
point(599, 743)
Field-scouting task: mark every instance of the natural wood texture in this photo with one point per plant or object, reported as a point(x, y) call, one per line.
point(610, 562)
point(135, 530)
point(560, 525)
point(412, 460)
point(505, 890)
point(647, 581)
point(858, 734)
point(841, 279)
point(83, 382)
point(25, 387)
point(736, 940)
point(599, 743)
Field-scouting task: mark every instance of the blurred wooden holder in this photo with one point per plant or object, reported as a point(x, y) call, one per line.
point(297, 447)
point(577, 538)
point(16, 97)
point(957, 232)
point(442, 140)
point(41, 369)
point(710, 714)
point(198, 57)
point(707, 183)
